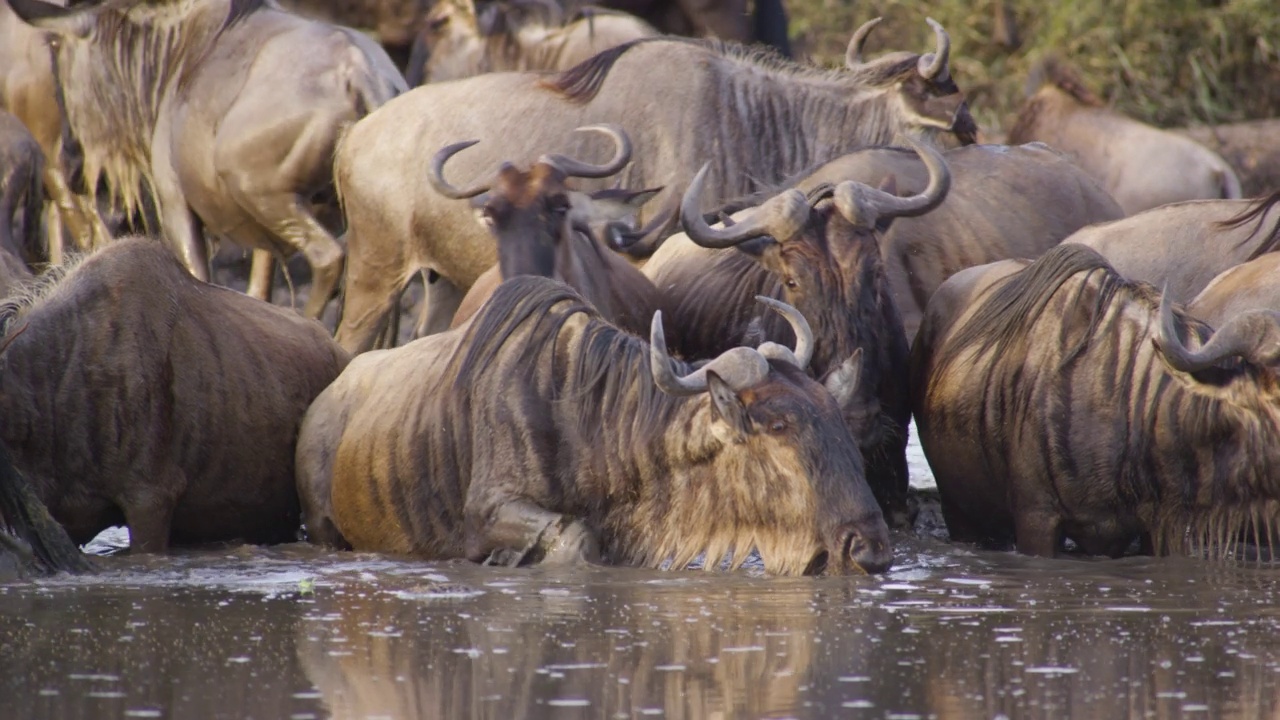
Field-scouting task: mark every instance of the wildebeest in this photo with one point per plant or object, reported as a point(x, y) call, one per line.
point(393, 22)
point(29, 90)
point(544, 228)
point(228, 110)
point(21, 170)
point(1063, 401)
point(1185, 245)
point(1140, 165)
point(1251, 285)
point(818, 252)
point(539, 432)
point(758, 119)
point(723, 19)
point(28, 533)
point(455, 43)
point(134, 393)
point(1004, 202)
point(1252, 148)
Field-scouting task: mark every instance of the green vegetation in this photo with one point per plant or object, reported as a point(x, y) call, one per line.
point(1167, 62)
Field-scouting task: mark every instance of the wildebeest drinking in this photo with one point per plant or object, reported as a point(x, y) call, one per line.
point(539, 432)
point(134, 394)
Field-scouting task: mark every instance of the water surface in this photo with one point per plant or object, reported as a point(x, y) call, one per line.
point(297, 632)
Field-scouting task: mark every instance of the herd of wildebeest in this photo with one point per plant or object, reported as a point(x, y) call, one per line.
point(1083, 323)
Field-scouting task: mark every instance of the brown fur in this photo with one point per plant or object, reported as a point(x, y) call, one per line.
point(534, 240)
point(537, 432)
point(1013, 374)
point(138, 394)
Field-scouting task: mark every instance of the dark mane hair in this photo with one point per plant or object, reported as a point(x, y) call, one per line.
point(582, 82)
point(609, 360)
point(240, 9)
point(1023, 296)
point(1257, 212)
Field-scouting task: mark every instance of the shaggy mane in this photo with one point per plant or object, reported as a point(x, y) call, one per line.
point(582, 82)
point(1024, 296)
point(1258, 212)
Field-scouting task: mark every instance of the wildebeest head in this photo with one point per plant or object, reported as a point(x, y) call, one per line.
point(927, 93)
point(773, 421)
point(822, 249)
point(532, 213)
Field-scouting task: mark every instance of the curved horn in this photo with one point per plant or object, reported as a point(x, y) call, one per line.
point(660, 365)
point(804, 336)
point(577, 168)
point(739, 367)
point(791, 205)
point(934, 65)
point(643, 242)
point(862, 204)
point(1253, 336)
point(853, 55)
point(436, 176)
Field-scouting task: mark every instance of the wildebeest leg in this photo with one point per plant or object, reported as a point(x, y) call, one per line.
point(182, 228)
point(290, 219)
point(535, 534)
point(440, 302)
point(1038, 531)
point(262, 272)
point(149, 517)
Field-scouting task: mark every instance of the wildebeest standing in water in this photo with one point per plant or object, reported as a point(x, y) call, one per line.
point(458, 41)
point(758, 119)
point(1140, 165)
point(819, 253)
point(132, 392)
point(1067, 402)
point(21, 170)
point(1183, 246)
point(228, 110)
point(539, 432)
point(544, 228)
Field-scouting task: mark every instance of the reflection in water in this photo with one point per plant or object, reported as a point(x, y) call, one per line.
point(295, 632)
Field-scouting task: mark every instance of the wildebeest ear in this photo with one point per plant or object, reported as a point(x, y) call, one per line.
point(728, 406)
point(75, 20)
point(760, 248)
point(889, 184)
point(842, 382)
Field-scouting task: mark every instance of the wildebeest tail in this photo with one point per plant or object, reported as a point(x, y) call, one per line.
point(27, 528)
point(581, 82)
point(1258, 211)
point(1003, 319)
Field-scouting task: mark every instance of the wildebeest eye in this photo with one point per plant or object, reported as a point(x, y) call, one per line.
point(437, 22)
point(777, 427)
point(791, 283)
point(558, 206)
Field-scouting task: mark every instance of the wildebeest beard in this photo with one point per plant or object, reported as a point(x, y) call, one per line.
point(642, 467)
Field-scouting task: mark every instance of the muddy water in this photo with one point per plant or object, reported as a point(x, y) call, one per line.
point(295, 632)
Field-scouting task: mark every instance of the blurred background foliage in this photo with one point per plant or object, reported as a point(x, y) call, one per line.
point(1166, 62)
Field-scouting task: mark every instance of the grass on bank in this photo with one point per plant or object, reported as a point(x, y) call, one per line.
point(1167, 62)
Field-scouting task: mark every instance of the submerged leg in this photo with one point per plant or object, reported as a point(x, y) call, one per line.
point(528, 534)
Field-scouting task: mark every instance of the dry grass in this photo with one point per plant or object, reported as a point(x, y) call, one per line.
point(1167, 62)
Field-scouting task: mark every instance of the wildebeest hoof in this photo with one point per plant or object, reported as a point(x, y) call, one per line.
point(568, 542)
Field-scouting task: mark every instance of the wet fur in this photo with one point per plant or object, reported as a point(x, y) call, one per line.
point(584, 432)
point(1193, 464)
point(132, 391)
